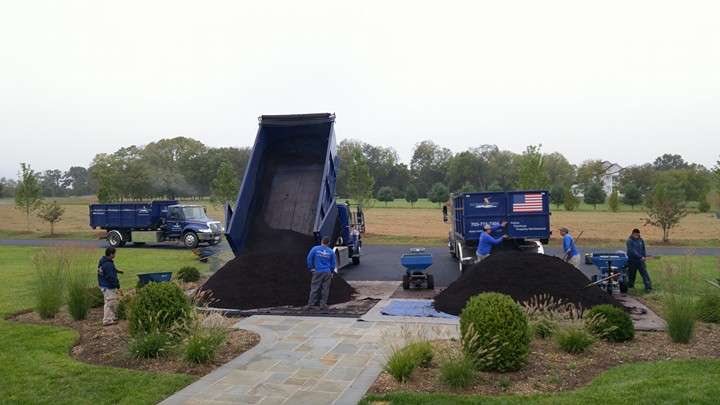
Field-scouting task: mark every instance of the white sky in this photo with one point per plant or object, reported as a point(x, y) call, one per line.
point(620, 80)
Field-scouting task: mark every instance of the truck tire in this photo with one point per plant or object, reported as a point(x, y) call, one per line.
point(114, 238)
point(190, 240)
point(356, 260)
point(430, 282)
point(406, 282)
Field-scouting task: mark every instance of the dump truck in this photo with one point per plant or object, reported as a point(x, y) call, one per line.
point(289, 185)
point(170, 220)
point(527, 213)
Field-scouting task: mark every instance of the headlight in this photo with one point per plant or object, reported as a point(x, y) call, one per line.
point(205, 230)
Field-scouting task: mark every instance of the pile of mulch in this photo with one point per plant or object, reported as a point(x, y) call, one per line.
point(108, 346)
point(270, 274)
point(522, 276)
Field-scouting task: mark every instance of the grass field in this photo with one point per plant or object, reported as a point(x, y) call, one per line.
point(34, 361)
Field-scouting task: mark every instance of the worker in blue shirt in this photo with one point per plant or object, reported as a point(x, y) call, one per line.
point(570, 252)
point(109, 285)
point(321, 263)
point(487, 241)
point(636, 260)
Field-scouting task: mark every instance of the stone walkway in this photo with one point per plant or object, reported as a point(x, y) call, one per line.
point(305, 360)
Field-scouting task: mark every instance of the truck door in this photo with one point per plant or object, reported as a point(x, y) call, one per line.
point(174, 225)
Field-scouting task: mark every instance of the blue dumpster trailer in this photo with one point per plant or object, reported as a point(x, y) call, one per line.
point(289, 184)
point(416, 262)
point(170, 220)
point(527, 213)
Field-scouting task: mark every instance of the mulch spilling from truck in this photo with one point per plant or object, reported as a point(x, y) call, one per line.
point(522, 276)
point(270, 274)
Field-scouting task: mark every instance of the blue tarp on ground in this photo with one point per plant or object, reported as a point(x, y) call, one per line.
point(420, 308)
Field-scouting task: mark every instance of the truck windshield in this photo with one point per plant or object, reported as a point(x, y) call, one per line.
point(194, 213)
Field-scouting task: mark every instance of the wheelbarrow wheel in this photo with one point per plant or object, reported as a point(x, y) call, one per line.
point(406, 282)
point(430, 282)
point(623, 287)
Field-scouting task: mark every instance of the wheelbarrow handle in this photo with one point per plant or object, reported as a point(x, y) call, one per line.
point(603, 279)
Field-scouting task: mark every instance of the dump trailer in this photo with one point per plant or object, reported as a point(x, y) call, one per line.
point(170, 220)
point(527, 213)
point(289, 185)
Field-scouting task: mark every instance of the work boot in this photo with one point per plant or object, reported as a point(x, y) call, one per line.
point(324, 308)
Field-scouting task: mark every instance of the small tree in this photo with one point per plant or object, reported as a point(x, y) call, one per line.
point(467, 188)
point(51, 213)
point(385, 194)
point(595, 195)
point(557, 195)
point(360, 182)
point(703, 204)
point(614, 201)
point(411, 195)
point(631, 195)
point(570, 202)
point(27, 193)
point(665, 207)
point(225, 185)
point(439, 193)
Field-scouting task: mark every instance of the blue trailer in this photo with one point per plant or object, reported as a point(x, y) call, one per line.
point(289, 184)
point(527, 213)
point(169, 220)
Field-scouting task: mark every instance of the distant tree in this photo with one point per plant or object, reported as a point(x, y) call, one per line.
point(716, 175)
point(631, 195)
point(76, 181)
point(570, 202)
point(429, 165)
point(385, 194)
point(51, 183)
point(559, 170)
point(591, 171)
point(594, 195)
point(225, 185)
point(557, 195)
point(51, 213)
point(438, 193)
point(360, 182)
point(411, 195)
point(614, 201)
point(643, 177)
point(532, 171)
point(466, 168)
point(669, 161)
point(665, 207)
point(467, 188)
point(495, 186)
point(28, 192)
point(703, 205)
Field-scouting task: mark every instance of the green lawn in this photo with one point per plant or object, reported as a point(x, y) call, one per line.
point(34, 362)
point(665, 382)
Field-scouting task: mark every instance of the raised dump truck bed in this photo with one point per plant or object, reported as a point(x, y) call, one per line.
point(289, 182)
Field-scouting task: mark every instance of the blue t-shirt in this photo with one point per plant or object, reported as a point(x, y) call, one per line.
point(569, 246)
point(322, 259)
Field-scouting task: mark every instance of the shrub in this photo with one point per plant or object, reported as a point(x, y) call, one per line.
point(150, 345)
point(610, 323)
point(544, 328)
point(50, 265)
point(680, 317)
point(457, 371)
point(708, 308)
point(78, 298)
point(188, 274)
point(123, 307)
point(573, 339)
point(95, 297)
point(495, 332)
point(158, 306)
point(422, 352)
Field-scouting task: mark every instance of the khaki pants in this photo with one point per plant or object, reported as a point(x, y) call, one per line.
point(111, 298)
point(575, 261)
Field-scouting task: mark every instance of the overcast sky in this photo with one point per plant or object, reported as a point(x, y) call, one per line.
point(619, 80)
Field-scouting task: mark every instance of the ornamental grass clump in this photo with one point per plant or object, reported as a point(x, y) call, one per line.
point(609, 323)
point(49, 279)
point(573, 339)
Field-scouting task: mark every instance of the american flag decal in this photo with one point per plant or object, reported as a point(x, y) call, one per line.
point(527, 202)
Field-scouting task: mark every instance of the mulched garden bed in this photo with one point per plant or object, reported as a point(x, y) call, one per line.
point(108, 346)
point(550, 369)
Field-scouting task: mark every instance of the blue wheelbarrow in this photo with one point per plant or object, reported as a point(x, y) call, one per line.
point(416, 262)
point(613, 271)
point(159, 277)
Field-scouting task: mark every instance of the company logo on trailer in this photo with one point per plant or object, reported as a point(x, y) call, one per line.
point(527, 202)
point(486, 204)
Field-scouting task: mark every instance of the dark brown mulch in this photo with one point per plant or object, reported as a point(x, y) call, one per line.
point(108, 346)
point(522, 276)
point(550, 369)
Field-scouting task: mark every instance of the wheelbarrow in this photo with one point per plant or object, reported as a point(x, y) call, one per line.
point(159, 277)
point(416, 263)
point(613, 271)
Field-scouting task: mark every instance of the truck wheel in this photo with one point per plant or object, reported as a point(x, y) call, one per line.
point(430, 282)
point(356, 260)
point(114, 239)
point(406, 282)
point(190, 240)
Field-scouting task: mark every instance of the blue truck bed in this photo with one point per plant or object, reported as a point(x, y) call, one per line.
point(289, 183)
point(137, 216)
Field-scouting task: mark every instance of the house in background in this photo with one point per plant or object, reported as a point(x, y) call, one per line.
point(610, 179)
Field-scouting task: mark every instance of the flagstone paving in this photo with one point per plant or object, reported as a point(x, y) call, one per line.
point(305, 360)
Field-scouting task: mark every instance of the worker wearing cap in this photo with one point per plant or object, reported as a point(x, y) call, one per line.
point(636, 260)
point(321, 262)
point(487, 241)
point(569, 249)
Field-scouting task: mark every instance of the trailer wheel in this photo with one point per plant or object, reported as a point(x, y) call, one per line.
point(430, 282)
point(190, 240)
point(406, 282)
point(115, 239)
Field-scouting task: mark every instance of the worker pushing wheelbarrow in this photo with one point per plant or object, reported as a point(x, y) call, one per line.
point(613, 272)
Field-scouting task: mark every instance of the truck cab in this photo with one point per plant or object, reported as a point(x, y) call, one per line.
point(191, 225)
